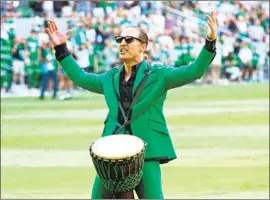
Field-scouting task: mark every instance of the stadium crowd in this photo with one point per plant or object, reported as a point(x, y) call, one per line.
point(176, 35)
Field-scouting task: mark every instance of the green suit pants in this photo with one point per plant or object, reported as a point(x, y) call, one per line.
point(150, 186)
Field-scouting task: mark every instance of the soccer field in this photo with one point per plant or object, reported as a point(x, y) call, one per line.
point(221, 135)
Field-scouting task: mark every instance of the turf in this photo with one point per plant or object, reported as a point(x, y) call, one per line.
point(220, 152)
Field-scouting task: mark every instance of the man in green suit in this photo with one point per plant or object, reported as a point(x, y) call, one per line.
point(120, 87)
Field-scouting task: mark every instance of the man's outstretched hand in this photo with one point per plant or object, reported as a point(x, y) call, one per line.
point(212, 26)
point(57, 37)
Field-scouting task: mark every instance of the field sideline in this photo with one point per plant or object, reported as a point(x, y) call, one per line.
point(221, 134)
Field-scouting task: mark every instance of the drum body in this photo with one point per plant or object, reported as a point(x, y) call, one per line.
point(118, 160)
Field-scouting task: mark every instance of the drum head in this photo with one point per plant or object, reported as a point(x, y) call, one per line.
point(117, 146)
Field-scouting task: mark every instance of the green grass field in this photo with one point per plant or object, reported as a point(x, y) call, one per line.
point(220, 133)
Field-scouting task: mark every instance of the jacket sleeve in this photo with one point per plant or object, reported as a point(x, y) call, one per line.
point(176, 77)
point(89, 81)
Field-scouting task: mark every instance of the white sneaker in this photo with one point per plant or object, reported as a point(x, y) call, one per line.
point(68, 96)
point(65, 96)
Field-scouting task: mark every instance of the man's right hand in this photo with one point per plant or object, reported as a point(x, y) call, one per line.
point(55, 35)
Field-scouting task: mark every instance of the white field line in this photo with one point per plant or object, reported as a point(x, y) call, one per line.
point(99, 114)
point(47, 193)
point(219, 152)
point(48, 158)
point(82, 194)
point(228, 131)
point(94, 130)
point(71, 114)
point(187, 131)
point(229, 195)
point(251, 102)
point(214, 110)
point(246, 102)
point(57, 158)
point(215, 157)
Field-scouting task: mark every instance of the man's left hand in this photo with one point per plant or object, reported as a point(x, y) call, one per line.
point(212, 26)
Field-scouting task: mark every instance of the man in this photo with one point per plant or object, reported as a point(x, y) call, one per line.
point(6, 60)
point(147, 119)
point(49, 68)
point(19, 54)
point(184, 49)
point(33, 67)
point(245, 54)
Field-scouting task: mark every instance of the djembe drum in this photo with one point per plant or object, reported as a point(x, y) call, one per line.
point(118, 160)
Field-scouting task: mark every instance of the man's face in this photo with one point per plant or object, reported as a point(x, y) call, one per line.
point(133, 50)
point(33, 34)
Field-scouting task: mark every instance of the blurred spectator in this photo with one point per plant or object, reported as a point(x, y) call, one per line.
point(232, 68)
point(165, 40)
point(154, 50)
point(125, 22)
point(255, 31)
point(57, 7)
point(184, 52)
point(19, 55)
point(134, 11)
point(215, 68)
point(41, 33)
point(245, 55)
point(101, 36)
point(37, 6)
point(255, 66)
point(65, 84)
point(80, 35)
point(11, 6)
point(83, 60)
point(175, 35)
point(6, 60)
point(83, 8)
point(47, 7)
point(67, 9)
point(111, 54)
point(32, 68)
point(158, 22)
point(49, 68)
point(241, 25)
point(164, 54)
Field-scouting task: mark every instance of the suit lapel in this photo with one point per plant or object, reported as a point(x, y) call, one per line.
point(139, 76)
point(116, 81)
point(138, 79)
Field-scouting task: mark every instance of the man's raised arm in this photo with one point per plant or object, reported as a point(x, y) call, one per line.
point(89, 81)
point(175, 77)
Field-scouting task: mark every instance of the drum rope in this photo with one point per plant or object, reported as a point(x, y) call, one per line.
point(134, 101)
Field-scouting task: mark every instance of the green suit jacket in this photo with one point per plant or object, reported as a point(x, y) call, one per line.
point(150, 124)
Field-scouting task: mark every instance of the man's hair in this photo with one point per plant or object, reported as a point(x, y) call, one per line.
point(143, 35)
